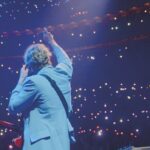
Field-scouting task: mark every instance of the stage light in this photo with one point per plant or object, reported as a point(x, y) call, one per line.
point(81, 35)
point(114, 123)
point(10, 147)
point(121, 56)
point(112, 28)
point(100, 133)
point(129, 24)
point(129, 97)
point(72, 34)
point(116, 27)
point(94, 32)
point(121, 120)
point(106, 117)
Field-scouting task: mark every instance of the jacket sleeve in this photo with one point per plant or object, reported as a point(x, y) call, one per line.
point(22, 97)
point(64, 62)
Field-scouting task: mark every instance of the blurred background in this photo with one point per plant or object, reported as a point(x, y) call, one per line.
point(109, 44)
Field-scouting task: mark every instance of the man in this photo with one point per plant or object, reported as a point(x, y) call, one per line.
point(46, 126)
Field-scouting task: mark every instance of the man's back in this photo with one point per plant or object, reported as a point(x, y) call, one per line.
point(47, 115)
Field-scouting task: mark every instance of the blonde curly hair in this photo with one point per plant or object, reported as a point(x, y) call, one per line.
point(37, 56)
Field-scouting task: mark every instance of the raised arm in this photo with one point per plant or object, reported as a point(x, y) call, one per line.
point(58, 51)
point(63, 59)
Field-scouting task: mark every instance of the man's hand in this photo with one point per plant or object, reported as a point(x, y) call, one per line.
point(48, 38)
point(23, 74)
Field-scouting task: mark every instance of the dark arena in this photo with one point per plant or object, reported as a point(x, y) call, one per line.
point(74, 75)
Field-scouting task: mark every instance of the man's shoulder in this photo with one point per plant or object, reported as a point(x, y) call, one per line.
point(34, 78)
point(37, 82)
point(64, 69)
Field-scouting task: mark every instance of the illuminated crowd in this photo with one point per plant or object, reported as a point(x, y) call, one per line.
point(110, 85)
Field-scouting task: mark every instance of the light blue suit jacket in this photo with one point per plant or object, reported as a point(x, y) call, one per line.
point(46, 126)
